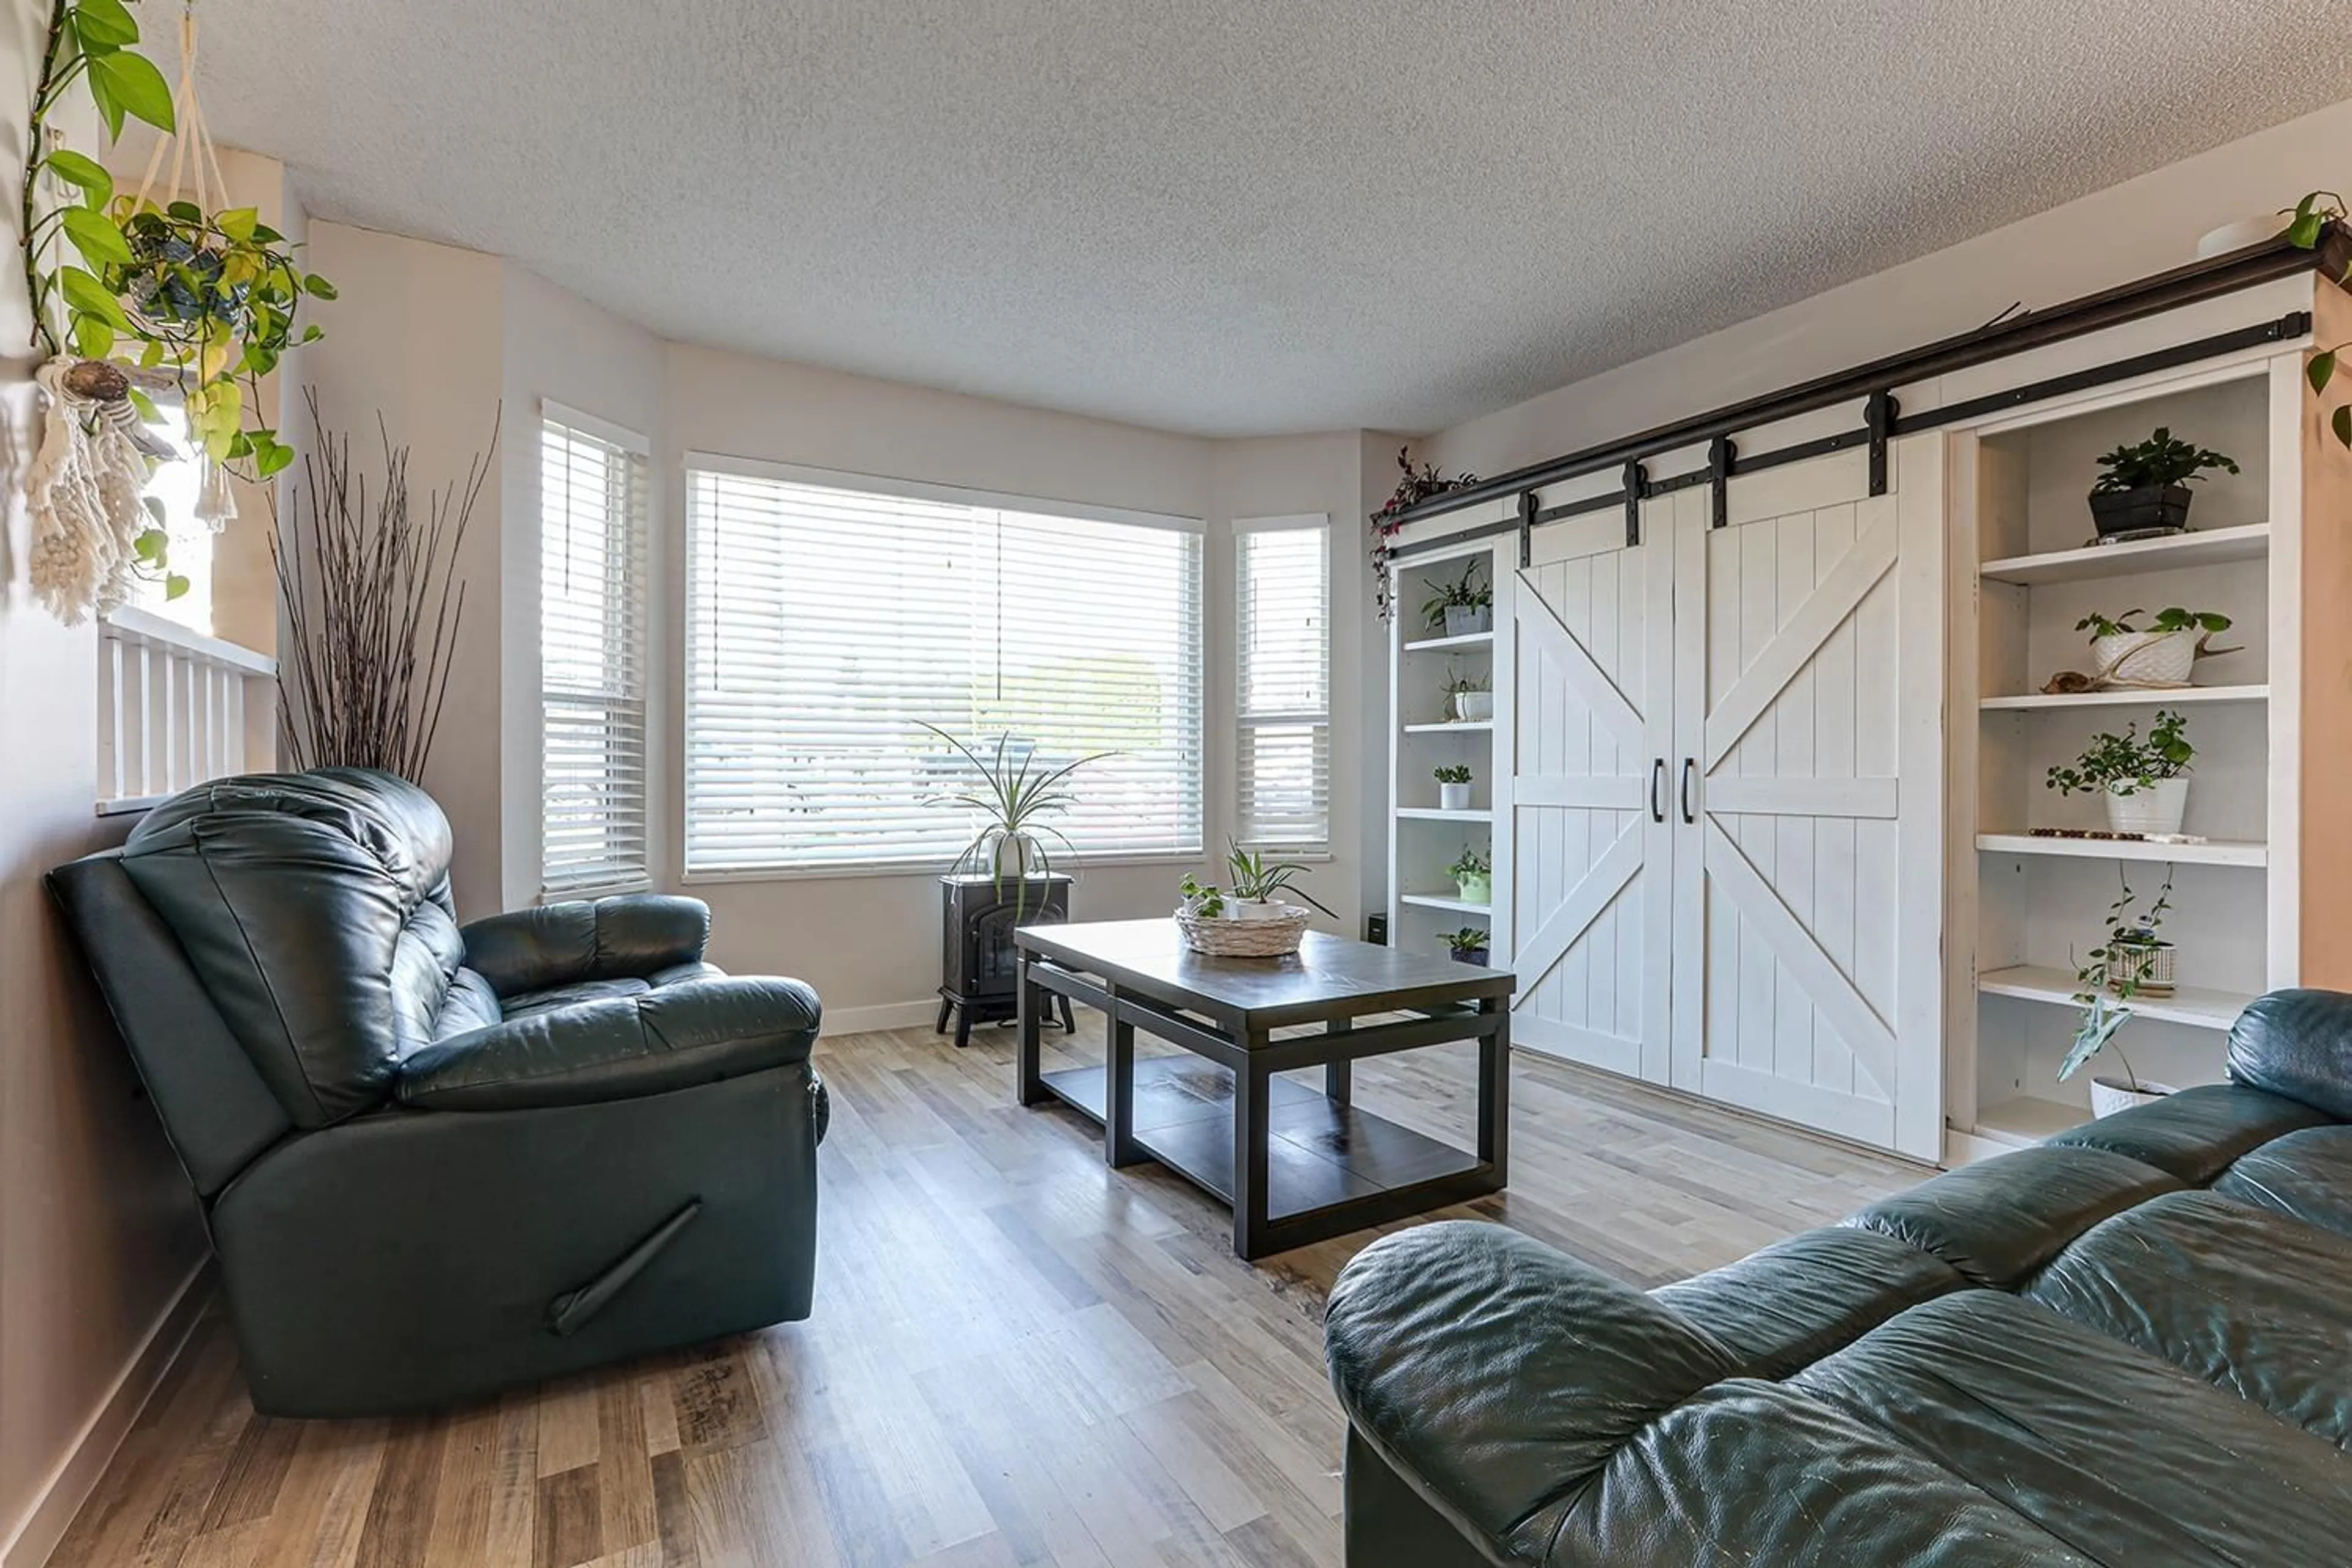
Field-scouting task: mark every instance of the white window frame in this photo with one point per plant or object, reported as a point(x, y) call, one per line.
point(636, 525)
point(1245, 721)
point(701, 462)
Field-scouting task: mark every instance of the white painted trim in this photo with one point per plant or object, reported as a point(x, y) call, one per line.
point(934, 866)
point(603, 430)
point(77, 1474)
point(1277, 525)
point(133, 625)
point(921, 490)
point(864, 1020)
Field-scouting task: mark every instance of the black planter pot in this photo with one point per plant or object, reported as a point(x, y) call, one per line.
point(2145, 510)
point(1476, 956)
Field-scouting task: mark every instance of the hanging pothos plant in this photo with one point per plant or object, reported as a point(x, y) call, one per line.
point(2306, 226)
point(198, 296)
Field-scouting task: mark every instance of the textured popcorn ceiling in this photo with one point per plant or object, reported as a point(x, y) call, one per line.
point(1233, 217)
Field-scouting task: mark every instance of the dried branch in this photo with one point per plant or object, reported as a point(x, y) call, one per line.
point(372, 603)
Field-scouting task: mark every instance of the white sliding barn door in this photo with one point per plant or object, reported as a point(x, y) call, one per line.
point(1592, 629)
point(1808, 698)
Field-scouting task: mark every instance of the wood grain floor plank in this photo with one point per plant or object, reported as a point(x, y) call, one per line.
point(1017, 1356)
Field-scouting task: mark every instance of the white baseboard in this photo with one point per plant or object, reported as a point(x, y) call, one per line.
point(858, 1020)
point(28, 1544)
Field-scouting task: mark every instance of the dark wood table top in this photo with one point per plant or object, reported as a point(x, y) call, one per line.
point(1329, 977)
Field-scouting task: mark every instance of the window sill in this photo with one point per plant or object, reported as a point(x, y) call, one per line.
point(859, 872)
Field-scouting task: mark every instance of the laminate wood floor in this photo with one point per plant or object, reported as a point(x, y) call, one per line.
point(1017, 1356)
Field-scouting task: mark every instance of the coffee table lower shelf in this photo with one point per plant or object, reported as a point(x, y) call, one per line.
point(1331, 1167)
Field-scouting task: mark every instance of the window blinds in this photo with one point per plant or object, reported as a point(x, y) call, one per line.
point(826, 625)
point(591, 647)
point(1284, 749)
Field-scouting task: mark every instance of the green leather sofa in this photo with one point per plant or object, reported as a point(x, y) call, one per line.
point(2129, 1346)
point(434, 1160)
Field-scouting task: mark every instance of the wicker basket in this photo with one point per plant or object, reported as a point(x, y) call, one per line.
point(2150, 965)
point(1244, 939)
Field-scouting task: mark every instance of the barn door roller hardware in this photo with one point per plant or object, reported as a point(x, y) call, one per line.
point(1635, 484)
point(1526, 528)
point(1878, 419)
point(1720, 457)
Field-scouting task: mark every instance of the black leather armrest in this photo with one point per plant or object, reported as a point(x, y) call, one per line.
point(618, 1048)
point(2297, 1043)
point(631, 935)
point(1498, 1375)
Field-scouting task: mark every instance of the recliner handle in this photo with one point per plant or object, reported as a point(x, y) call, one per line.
point(568, 1312)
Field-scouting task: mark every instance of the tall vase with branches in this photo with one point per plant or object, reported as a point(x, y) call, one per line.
point(373, 603)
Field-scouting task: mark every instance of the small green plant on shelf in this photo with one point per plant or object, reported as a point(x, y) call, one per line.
point(2114, 972)
point(2125, 764)
point(1469, 699)
point(1468, 944)
point(1460, 606)
point(2306, 226)
point(2207, 622)
point(1472, 876)
point(2160, 460)
point(1459, 773)
point(1471, 863)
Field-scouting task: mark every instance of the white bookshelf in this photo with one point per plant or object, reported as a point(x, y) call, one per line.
point(1424, 838)
point(2025, 906)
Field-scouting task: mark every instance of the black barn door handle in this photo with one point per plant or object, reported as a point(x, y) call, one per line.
point(1690, 766)
point(1658, 790)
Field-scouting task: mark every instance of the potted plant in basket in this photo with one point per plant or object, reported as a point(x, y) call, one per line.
point(2134, 961)
point(2145, 488)
point(1453, 787)
point(2162, 654)
point(1467, 945)
point(1469, 699)
point(1255, 919)
point(1474, 877)
point(1013, 797)
point(2144, 782)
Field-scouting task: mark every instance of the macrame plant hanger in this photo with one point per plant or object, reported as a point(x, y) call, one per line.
point(191, 151)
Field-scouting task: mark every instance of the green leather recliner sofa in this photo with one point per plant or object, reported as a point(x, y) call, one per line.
point(434, 1162)
point(2129, 1346)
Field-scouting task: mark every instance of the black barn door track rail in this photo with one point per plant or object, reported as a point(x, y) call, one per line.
point(1874, 383)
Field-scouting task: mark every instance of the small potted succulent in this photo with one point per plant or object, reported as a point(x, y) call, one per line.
point(1473, 877)
point(2163, 653)
point(2134, 961)
point(1453, 787)
point(1469, 699)
point(1467, 945)
point(1463, 606)
point(2145, 487)
point(2144, 783)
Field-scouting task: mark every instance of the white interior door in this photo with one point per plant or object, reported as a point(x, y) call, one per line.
point(1591, 629)
point(1809, 873)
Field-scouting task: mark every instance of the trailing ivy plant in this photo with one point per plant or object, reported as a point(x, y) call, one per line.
point(210, 298)
point(2306, 226)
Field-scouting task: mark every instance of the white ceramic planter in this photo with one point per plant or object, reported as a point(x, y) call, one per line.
point(2154, 809)
point(1258, 910)
point(1474, 707)
point(2146, 658)
point(1462, 620)
point(2109, 1096)
point(1453, 797)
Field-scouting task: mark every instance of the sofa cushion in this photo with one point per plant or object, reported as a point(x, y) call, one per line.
point(2250, 1300)
point(2113, 1451)
point(1798, 1300)
point(2192, 1136)
point(315, 910)
point(1999, 1221)
point(2307, 1174)
point(629, 935)
point(523, 1004)
point(2297, 1043)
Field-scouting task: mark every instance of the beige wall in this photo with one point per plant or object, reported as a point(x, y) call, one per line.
point(2143, 226)
point(97, 1231)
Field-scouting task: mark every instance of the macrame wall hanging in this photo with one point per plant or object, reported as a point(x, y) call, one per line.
point(94, 532)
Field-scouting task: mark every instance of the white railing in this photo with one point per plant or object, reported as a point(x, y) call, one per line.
point(176, 707)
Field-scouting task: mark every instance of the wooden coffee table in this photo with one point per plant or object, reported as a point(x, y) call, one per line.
point(1296, 1165)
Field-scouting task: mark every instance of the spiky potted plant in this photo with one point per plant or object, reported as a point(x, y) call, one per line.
point(1453, 786)
point(1461, 606)
point(2144, 488)
point(1015, 796)
point(1467, 945)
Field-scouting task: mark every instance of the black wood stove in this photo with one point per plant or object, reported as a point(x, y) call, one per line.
point(978, 913)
